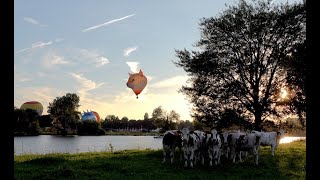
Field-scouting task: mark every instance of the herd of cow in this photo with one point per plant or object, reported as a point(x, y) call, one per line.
point(196, 146)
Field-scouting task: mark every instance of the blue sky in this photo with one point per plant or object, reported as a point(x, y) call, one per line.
point(88, 48)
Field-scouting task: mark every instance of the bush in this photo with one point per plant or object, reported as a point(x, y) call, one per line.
point(90, 127)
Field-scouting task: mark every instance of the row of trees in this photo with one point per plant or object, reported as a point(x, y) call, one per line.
point(64, 116)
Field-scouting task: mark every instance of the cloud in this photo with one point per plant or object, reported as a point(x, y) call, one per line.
point(39, 44)
point(133, 66)
point(20, 76)
point(106, 23)
point(51, 59)
point(176, 81)
point(129, 50)
point(58, 40)
point(33, 21)
point(85, 84)
point(94, 57)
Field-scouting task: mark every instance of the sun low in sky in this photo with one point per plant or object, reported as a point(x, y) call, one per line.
point(88, 48)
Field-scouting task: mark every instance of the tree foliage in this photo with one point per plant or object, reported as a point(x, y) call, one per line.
point(64, 111)
point(26, 122)
point(296, 78)
point(237, 66)
point(162, 119)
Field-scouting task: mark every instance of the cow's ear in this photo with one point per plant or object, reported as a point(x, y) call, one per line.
point(179, 132)
point(207, 132)
point(140, 73)
point(191, 132)
point(241, 136)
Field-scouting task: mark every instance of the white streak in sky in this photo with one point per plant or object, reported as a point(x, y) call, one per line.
point(31, 20)
point(129, 50)
point(39, 45)
point(106, 23)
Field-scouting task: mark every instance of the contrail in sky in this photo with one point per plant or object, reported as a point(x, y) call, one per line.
point(106, 23)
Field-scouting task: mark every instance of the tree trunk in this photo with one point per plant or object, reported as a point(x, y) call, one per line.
point(257, 121)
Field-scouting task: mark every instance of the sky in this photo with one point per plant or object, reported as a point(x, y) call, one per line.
point(89, 47)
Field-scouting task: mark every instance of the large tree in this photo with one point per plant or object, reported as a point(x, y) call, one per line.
point(237, 63)
point(64, 111)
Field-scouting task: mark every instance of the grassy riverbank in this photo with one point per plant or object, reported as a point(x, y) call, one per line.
point(288, 163)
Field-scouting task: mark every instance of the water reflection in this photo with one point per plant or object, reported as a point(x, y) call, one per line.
point(45, 144)
point(290, 139)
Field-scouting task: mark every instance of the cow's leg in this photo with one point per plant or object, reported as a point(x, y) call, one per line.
point(180, 154)
point(256, 153)
point(219, 156)
point(240, 154)
point(272, 149)
point(210, 157)
point(192, 158)
point(172, 154)
point(227, 154)
point(164, 152)
point(185, 154)
point(202, 157)
point(215, 157)
point(196, 157)
point(233, 155)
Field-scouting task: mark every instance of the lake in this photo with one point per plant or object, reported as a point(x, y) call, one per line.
point(45, 144)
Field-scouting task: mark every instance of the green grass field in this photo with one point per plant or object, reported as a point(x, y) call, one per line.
point(289, 162)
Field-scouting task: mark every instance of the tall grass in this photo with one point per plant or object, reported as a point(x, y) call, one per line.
point(288, 163)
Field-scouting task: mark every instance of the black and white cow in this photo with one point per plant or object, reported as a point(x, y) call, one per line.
point(248, 143)
point(172, 139)
point(191, 144)
point(225, 150)
point(232, 139)
point(213, 142)
point(270, 139)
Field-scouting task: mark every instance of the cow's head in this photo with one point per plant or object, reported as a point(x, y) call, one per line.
point(242, 140)
point(185, 135)
point(280, 132)
point(224, 137)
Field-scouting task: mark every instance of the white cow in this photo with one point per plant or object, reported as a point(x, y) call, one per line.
point(171, 140)
point(213, 142)
point(270, 139)
point(191, 143)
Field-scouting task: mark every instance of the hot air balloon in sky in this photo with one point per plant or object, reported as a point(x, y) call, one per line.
point(33, 105)
point(137, 82)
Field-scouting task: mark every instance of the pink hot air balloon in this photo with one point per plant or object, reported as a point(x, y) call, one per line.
point(137, 82)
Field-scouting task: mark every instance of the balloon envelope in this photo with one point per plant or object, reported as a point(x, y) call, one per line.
point(137, 82)
point(97, 116)
point(33, 105)
point(88, 116)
